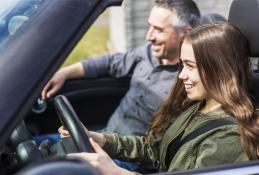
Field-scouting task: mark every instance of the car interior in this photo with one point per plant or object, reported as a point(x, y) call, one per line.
point(87, 97)
point(246, 22)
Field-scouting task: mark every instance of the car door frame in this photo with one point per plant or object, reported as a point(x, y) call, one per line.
point(37, 50)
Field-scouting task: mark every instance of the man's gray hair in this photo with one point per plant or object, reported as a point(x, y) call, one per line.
point(185, 12)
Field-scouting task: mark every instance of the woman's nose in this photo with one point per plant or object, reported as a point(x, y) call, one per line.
point(183, 75)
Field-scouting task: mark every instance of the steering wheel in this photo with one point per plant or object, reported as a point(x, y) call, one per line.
point(71, 122)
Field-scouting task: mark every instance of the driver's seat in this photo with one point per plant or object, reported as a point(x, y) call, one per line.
point(245, 15)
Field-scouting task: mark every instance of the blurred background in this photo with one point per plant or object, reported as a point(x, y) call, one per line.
point(121, 28)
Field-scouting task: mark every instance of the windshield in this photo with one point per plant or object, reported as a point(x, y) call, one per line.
point(13, 15)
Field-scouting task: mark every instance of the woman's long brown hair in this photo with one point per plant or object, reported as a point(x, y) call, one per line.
point(221, 54)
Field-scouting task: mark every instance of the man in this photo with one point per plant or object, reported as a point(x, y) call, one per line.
point(152, 67)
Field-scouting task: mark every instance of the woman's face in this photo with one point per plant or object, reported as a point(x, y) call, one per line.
point(190, 75)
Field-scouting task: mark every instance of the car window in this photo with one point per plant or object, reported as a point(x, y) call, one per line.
point(13, 15)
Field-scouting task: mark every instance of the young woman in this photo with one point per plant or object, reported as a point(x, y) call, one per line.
point(212, 85)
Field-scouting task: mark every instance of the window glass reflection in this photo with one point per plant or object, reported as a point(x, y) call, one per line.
point(13, 15)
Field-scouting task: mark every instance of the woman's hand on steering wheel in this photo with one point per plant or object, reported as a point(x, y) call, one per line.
point(97, 137)
point(101, 161)
point(63, 132)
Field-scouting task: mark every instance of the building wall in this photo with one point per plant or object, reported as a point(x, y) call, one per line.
point(117, 30)
point(129, 24)
point(136, 17)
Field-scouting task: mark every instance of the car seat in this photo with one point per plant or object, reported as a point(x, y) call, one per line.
point(212, 18)
point(245, 15)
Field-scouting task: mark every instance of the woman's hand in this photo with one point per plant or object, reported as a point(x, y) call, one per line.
point(101, 161)
point(63, 132)
point(97, 137)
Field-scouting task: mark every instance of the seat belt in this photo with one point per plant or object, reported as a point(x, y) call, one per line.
point(176, 144)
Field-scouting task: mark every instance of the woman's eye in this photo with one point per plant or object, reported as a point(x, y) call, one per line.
point(189, 66)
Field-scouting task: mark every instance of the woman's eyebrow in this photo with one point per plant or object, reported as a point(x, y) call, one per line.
point(187, 60)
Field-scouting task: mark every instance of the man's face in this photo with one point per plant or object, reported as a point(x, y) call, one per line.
point(164, 38)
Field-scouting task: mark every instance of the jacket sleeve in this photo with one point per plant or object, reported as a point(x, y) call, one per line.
point(222, 147)
point(133, 148)
point(116, 65)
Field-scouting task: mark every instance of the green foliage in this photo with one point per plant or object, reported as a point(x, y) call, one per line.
point(93, 43)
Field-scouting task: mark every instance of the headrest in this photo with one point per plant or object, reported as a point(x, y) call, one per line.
point(211, 18)
point(244, 14)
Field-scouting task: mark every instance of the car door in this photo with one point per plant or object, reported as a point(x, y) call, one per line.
point(30, 55)
point(94, 102)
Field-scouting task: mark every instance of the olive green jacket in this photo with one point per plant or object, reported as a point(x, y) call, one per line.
point(218, 146)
